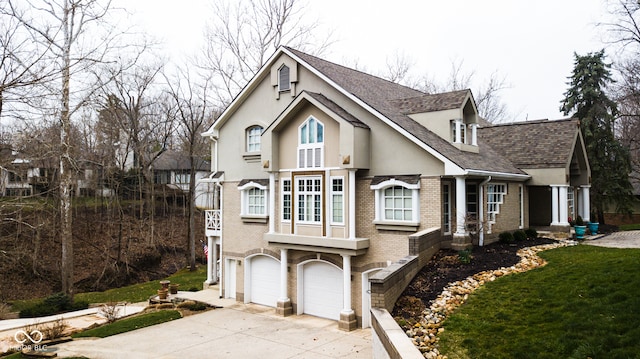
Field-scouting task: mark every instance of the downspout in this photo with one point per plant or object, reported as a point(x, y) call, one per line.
point(481, 211)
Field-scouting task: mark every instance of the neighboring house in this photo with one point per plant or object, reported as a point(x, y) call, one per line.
point(22, 176)
point(323, 173)
point(172, 170)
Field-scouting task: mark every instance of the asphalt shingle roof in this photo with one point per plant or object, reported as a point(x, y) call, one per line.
point(533, 144)
point(394, 100)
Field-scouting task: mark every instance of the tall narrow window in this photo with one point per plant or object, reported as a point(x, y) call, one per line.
point(253, 138)
point(284, 78)
point(337, 200)
point(286, 200)
point(571, 203)
point(311, 144)
point(309, 195)
point(446, 207)
point(521, 200)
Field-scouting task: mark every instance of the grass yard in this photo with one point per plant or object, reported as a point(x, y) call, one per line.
point(135, 292)
point(129, 324)
point(583, 304)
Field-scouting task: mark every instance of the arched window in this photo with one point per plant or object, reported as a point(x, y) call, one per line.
point(311, 144)
point(253, 199)
point(397, 202)
point(284, 78)
point(253, 138)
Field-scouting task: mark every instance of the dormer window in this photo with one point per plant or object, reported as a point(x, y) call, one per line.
point(458, 131)
point(311, 144)
point(284, 78)
point(463, 133)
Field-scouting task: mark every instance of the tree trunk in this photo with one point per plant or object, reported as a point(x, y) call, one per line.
point(191, 197)
point(66, 228)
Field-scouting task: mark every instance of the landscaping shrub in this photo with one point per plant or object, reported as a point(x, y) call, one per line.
point(464, 256)
point(506, 237)
point(531, 233)
point(519, 236)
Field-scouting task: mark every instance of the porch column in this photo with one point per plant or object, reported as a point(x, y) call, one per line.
point(461, 206)
point(272, 202)
point(210, 265)
point(564, 205)
point(586, 205)
point(474, 134)
point(554, 206)
point(461, 239)
point(284, 307)
point(347, 315)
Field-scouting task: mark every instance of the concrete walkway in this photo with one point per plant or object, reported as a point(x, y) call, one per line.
point(628, 239)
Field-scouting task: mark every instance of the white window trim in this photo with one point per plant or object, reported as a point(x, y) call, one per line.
point(297, 204)
point(248, 137)
point(305, 147)
point(447, 210)
point(281, 88)
point(497, 203)
point(331, 193)
point(244, 204)
point(521, 199)
point(290, 193)
point(379, 202)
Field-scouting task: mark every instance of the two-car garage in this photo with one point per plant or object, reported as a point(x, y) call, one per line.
point(320, 285)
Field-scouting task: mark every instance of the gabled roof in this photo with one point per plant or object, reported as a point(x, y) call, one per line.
point(534, 144)
point(391, 103)
point(432, 102)
point(390, 99)
point(171, 160)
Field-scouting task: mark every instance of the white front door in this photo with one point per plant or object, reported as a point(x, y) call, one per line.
point(323, 293)
point(263, 280)
point(366, 297)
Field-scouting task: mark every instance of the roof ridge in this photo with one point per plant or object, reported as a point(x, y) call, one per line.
point(298, 52)
point(532, 122)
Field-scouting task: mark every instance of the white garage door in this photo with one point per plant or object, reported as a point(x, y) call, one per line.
point(323, 290)
point(265, 280)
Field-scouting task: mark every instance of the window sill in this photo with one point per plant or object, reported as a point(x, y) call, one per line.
point(251, 156)
point(397, 226)
point(247, 218)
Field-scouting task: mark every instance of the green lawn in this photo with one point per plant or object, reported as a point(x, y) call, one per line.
point(630, 227)
point(582, 304)
point(136, 292)
point(129, 324)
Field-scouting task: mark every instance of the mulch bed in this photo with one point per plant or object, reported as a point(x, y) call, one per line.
point(445, 267)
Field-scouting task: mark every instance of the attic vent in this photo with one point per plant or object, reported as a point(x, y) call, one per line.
point(284, 78)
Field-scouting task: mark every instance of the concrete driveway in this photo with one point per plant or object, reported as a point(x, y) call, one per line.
point(236, 331)
point(628, 239)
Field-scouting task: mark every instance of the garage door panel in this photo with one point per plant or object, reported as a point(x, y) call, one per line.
point(265, 280)
point(323, 290)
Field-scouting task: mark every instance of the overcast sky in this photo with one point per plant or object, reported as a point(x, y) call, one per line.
point(530, 43)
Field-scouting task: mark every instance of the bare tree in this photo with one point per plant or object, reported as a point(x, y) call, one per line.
point(79, 37)
point(243, 34)
point(624, 34)
point(193, 110)
point(21, 61)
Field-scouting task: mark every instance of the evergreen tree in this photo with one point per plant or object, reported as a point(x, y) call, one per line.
point(586, 99)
